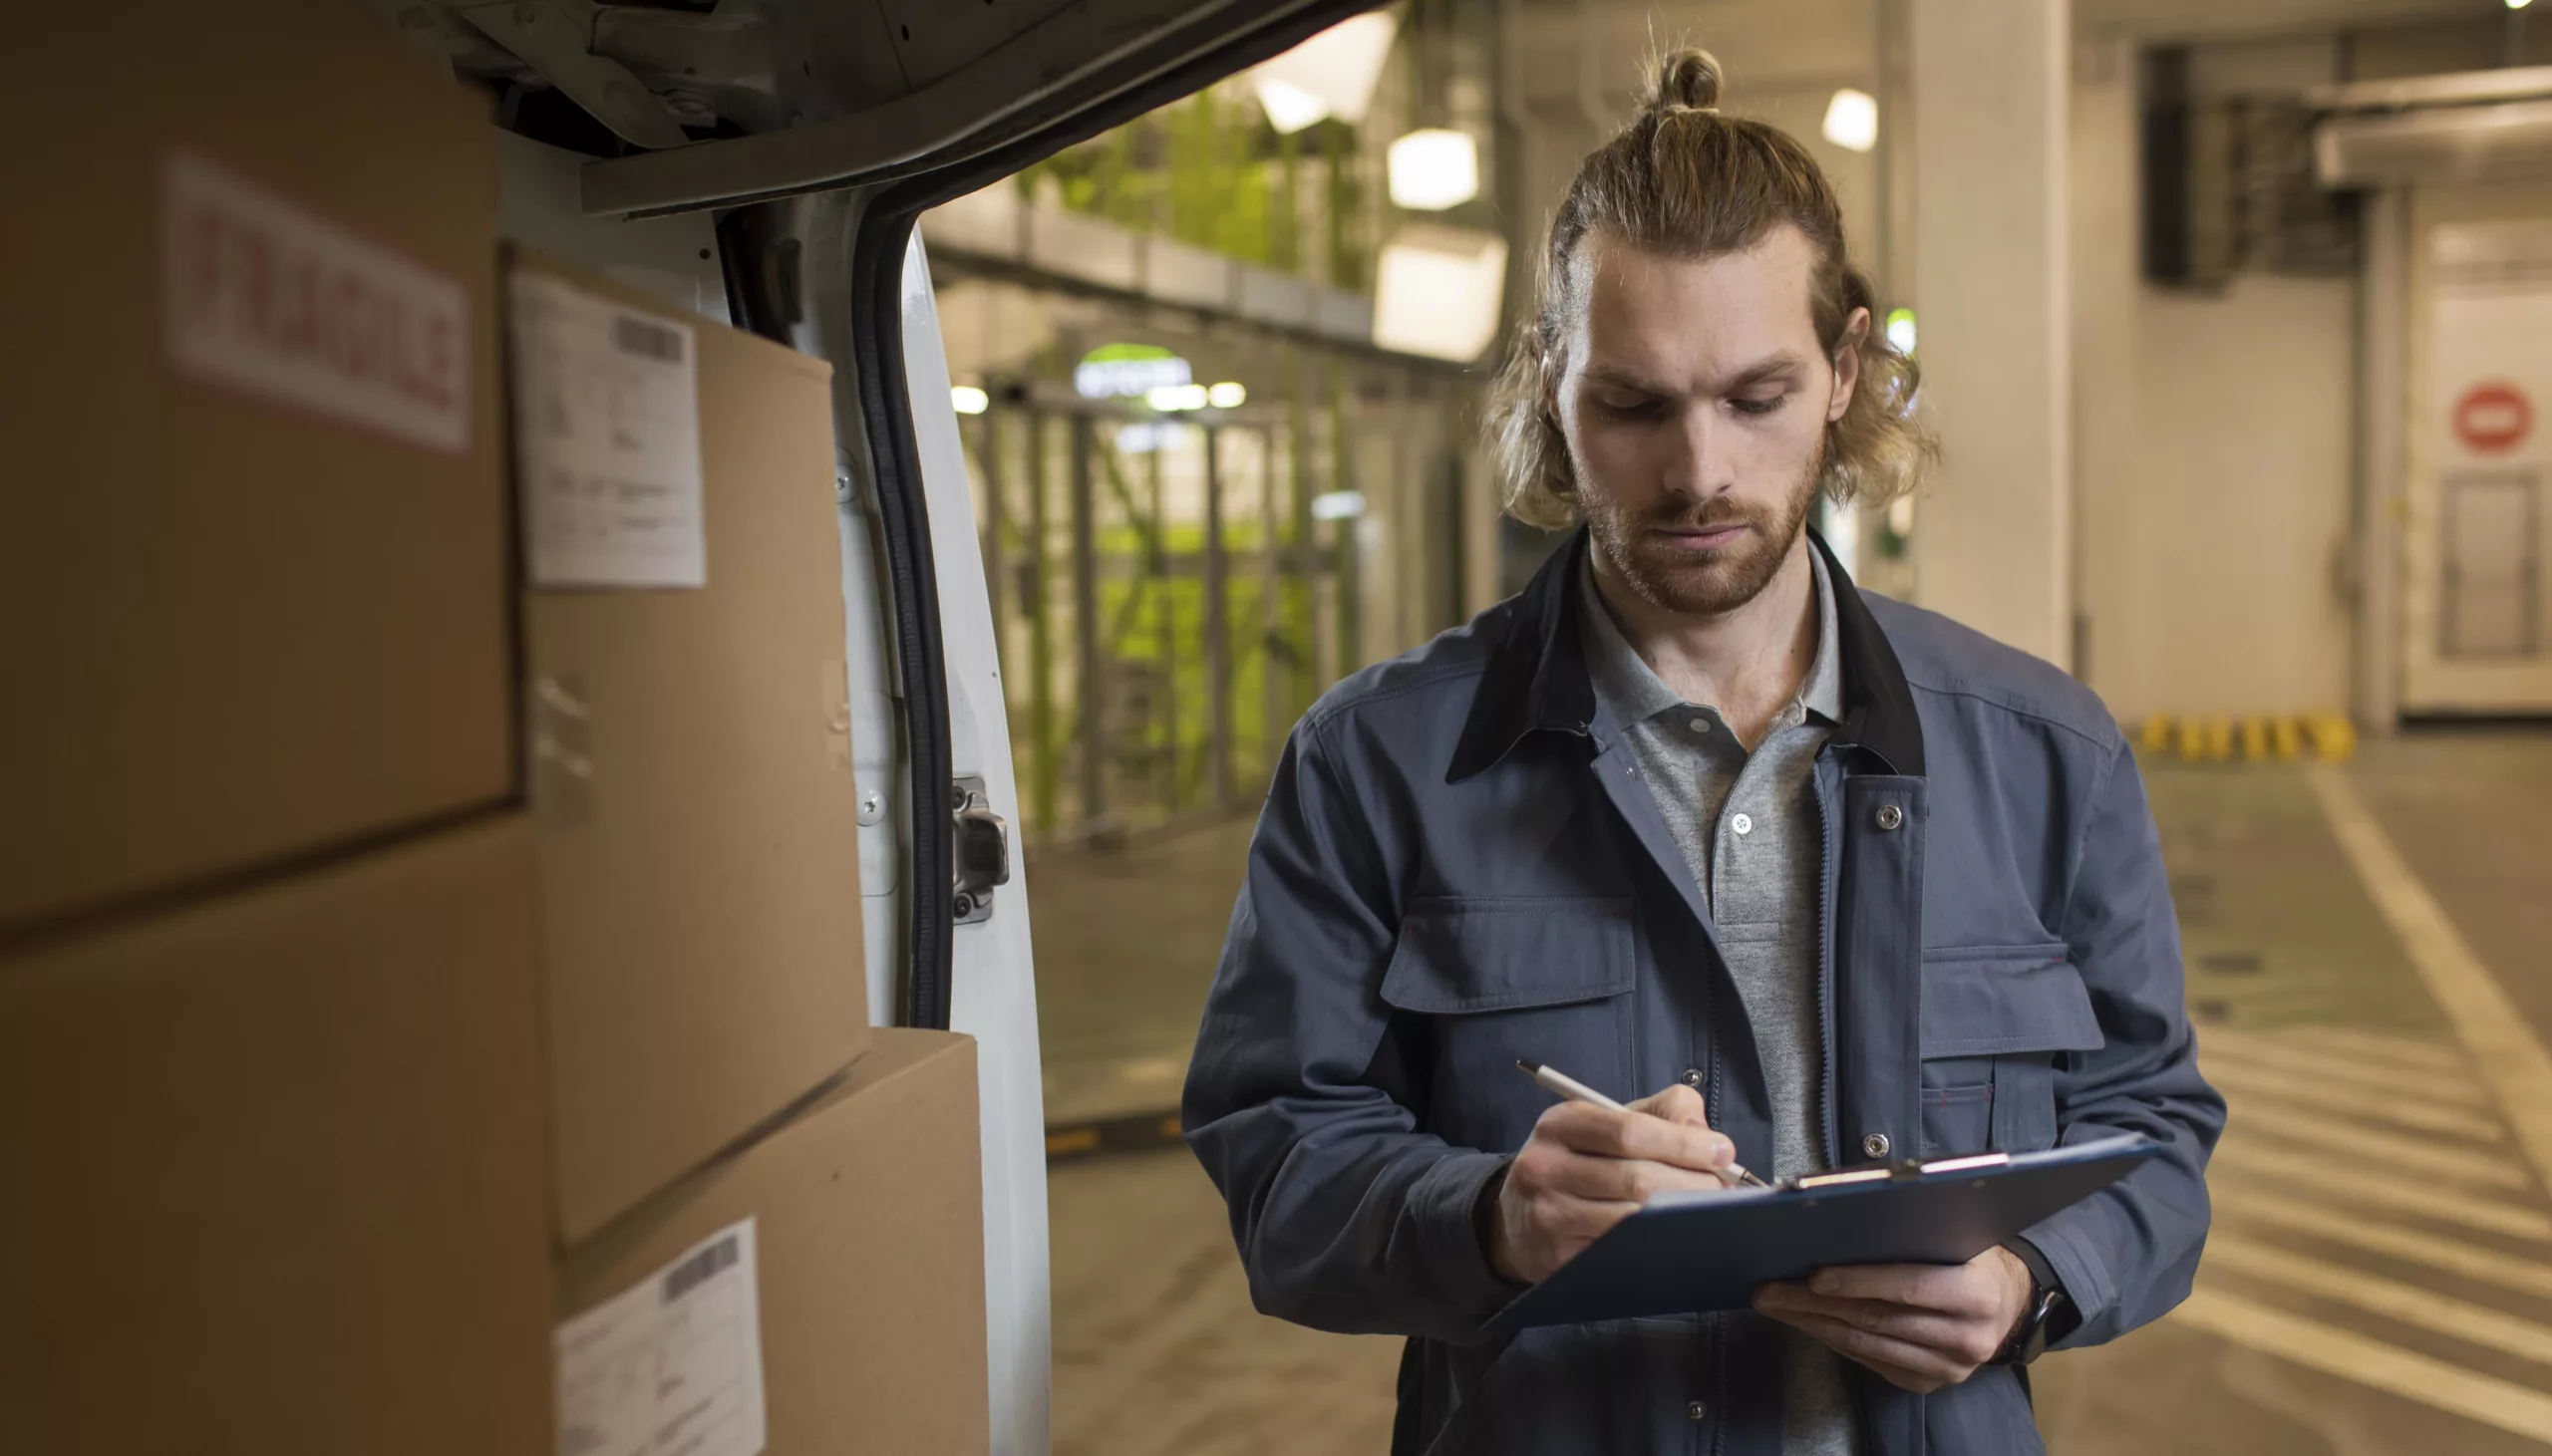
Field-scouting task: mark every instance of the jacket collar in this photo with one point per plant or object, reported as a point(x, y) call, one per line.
point(1537, 678)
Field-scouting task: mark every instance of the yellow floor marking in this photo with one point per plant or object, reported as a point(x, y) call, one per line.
point(2355, 1184)
point(2319, 1221)
point(2369, 1362)
point(2442, 1055)
point(2350, 1074)
point(2371, 1104)
point(2506, 1051)
point(2399, 1152)
point(2404, 1304)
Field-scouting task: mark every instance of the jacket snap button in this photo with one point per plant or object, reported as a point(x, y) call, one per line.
point(1889, 816)
point(1693, 1077)
point(1696, 1409)
point(1875, 1145)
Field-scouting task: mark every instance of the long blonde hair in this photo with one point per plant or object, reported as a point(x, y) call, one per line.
point(1686, 181)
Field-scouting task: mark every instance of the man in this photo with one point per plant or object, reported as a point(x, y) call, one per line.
point(1845, 881)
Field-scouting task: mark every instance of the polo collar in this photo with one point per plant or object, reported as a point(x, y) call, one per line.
point(1538, 680)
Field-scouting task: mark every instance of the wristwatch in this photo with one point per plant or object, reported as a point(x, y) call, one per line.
point(2046, 1307)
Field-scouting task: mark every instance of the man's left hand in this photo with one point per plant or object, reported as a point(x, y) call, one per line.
point(1920, 1326)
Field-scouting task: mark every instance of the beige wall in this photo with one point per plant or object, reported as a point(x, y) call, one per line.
point(2213, 455)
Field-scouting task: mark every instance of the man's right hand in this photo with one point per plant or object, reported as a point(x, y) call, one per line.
point(1586, 1169)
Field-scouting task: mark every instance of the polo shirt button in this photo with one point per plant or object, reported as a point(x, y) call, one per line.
point(1696, 1410)
point(1889, 816)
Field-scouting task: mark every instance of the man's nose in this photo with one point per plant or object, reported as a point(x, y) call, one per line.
point(1698, 467)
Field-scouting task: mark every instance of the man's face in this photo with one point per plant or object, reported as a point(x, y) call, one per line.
point(1695, 398)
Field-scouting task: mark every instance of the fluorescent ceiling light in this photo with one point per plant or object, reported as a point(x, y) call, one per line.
point(1178, 396)
point(1337, 68)
point(1338, 505)
point(1433, 169)
point(1851, 120)
point(1289, 108)
point(1122, 370)
point(1437, 292)
point(968, 400)
point(1228, 394)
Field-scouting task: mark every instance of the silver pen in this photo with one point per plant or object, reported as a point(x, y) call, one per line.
point(1561, 1083)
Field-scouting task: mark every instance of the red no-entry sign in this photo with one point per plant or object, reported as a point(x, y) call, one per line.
point(2492, 418)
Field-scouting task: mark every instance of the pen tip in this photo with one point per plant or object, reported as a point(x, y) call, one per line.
point(1527, 1068)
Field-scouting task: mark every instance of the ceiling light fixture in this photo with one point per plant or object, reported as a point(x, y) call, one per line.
point(1851, 120)
point(1335, 69)
point(1433, 169)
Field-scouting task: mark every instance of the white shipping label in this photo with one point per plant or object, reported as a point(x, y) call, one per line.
point(671, 1366)
point(261, 295)
point(607, 439)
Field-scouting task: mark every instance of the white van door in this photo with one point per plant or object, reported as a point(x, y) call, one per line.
point(992, 983)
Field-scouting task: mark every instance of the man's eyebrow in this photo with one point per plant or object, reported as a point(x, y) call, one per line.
point(1754, 373)
point(1623, 379)
point(1763, 371)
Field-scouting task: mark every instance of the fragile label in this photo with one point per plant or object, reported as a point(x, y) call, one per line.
point(671, 1366)
point(265, 296)
point(607, 439)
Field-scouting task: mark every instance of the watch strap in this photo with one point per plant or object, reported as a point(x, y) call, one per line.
point(2047, 1304)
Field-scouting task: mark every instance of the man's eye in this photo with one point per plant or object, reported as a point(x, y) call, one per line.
point(1628, 408)
point(1758, 407)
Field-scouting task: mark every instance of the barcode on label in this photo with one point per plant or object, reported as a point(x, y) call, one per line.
point(700, 1269)
point(647, 340)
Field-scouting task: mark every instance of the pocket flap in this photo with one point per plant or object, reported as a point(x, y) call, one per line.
point(1462, 954)
point(1990, 1000)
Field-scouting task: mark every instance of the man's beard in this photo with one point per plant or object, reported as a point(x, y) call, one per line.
point(1714, 583)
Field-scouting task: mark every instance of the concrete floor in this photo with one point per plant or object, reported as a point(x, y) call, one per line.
point(2419, 1320)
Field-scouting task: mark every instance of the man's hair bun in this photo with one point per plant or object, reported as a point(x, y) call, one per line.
point(1687, 80)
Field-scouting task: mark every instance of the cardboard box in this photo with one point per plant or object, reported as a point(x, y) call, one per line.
point(860, 1224)
point(691, 744)
point(254, 528)
point(276, 1172)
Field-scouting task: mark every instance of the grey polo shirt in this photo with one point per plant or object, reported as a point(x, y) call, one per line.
point(1749, 830)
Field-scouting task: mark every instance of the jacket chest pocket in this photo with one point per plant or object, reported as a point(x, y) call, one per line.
point(1995, 1019)
point(1488, 982)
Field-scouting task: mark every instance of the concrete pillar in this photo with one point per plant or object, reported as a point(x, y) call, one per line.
point(1993, 531)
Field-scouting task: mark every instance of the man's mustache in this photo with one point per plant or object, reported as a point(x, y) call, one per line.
point(1718, 513)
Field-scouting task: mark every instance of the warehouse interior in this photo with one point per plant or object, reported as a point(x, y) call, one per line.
point(646, 637)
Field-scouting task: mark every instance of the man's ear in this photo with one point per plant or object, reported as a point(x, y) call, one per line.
point(1848, 363)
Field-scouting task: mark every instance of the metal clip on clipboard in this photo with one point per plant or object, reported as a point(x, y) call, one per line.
point(1900, 1171)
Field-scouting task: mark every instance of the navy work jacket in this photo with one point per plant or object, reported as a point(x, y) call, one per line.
point(1459, 864)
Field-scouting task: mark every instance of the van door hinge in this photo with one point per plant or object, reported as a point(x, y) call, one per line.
point(983, 851)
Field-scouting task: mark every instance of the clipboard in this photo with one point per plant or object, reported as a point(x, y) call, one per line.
point(1692, 1252)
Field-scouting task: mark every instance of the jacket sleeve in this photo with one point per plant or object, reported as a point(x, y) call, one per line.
point(2126, 1254)
point(1347, 1217)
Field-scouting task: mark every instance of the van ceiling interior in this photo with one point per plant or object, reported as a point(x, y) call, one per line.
point(756, 100)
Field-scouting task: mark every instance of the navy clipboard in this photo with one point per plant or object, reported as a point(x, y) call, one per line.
point(1689, 1252)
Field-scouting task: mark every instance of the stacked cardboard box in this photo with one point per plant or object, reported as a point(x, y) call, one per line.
point(690, 730)
point(360, 1091)
point(276, 1167)
point(253, 534)
point(771, 1208)
point(272, 1072)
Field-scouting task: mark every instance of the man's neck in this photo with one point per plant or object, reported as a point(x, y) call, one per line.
point(1747, 662)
